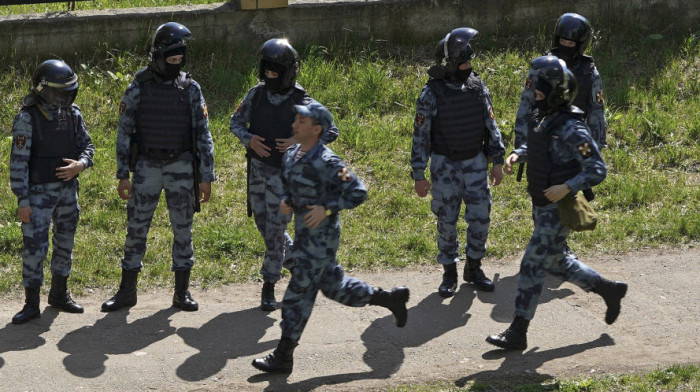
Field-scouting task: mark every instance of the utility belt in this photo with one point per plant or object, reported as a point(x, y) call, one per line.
point(166, 155)
point(455, 155)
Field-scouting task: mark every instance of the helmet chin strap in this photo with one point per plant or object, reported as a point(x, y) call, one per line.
point(444, 46)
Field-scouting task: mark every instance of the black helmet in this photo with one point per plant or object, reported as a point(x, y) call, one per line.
point(55, 83)
point(455, 48)
point(555, 80)
point(574, 27)
point(278, 55)
point(168, 40)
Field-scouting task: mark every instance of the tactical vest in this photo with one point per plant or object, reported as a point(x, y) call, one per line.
point(273, 122)
point(52, 140)
point(541, 170)
point(584, 76)
point(458, 129)
point(164, 117)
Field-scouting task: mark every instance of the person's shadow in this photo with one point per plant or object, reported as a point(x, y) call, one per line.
point(26, 336)
point(504, 305)
point(385, 344)
point(227, 336)
point(516, 362)
point(88, 346)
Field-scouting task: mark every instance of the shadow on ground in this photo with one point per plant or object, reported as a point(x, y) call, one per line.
point(26, 336)
point(385, 344)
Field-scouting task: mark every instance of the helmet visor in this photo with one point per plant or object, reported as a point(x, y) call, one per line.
point(60, 97)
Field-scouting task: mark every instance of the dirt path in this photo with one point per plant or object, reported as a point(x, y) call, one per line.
point(153, 347)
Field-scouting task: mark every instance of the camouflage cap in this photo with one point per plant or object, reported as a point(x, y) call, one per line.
point(317, 111)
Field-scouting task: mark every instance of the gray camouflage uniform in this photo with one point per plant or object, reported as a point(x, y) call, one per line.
point(547, 250)
point(57, 201)
point(318, 178)
point(151, 177)
point(265, 186)
point(454, 182)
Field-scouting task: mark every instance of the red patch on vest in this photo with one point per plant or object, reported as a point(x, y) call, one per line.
point(599, 96)
point(205, 111)
point(20, 141)
point(344, 174)
point(420, 119)
point(528, 84)
point(122, 108)
point(585, 149)
point(493, 116)
point(238, 108)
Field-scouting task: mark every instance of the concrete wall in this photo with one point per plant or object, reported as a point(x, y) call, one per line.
point(417, 21)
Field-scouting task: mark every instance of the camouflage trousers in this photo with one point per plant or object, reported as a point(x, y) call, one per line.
point(57, 201)
point(264, 192)
point(454, 182)
point(548, 252)
point(308, 277)
point(148, 181)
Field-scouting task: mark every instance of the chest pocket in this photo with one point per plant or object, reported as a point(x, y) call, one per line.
point(307, 185)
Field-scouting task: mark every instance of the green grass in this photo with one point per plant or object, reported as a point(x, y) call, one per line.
point(674, 378)
point(96, 5)
point(650, 199)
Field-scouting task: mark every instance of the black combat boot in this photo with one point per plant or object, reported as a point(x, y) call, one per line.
point(279, 361)
point(268, 301)
point(59, 296)
point(449, 281)
point(182, 298)
point(394, 300)
point(126, 295)
point(514, 338)
point(612, 293)
point(474, 274)
point(31, 309)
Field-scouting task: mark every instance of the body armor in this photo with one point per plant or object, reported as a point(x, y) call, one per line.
point(273, 122)
point(52, 140)
point(163, 123)
point(458, 129)
point(542, 172)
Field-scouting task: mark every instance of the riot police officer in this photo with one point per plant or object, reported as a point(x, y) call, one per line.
point(455, 128)
point(164, 140)
point(572, 36)
point(50, 148)
point(263, 123)
point(317, 186)
point(563, 160)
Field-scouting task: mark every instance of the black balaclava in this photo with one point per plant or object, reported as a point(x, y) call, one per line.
point(274, 85)
point(542, 104)
point(462, 75)
point(172, 71)
point(566, 53)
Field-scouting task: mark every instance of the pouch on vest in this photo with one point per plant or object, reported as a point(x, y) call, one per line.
point(577, 213)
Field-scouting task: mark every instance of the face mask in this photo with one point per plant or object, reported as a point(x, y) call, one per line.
point(567, 53)
point(273, 84)
point(463, 75)
point(542, 105)
point(172, 71)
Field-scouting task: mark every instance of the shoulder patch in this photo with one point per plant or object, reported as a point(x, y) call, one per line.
point(122, 107)
point(238, 108)
point(493, 116)
point(420, 119)
point(20, 141)
point(585, 149)
point(344, 174)
point(599, 96)
point(205, 111)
